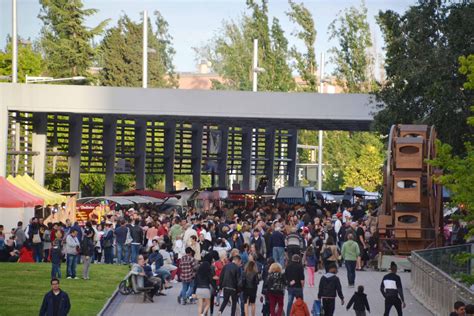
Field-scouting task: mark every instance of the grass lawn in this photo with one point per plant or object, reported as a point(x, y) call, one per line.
point(23, 285)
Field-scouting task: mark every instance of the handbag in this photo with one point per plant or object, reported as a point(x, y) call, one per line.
point(36, 238)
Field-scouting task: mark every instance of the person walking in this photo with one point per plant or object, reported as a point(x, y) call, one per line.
point(360, 302)
point(202, 287)
point(72, 251)
point(329, 253)
point(294, 273)
point(299, 308)
point(274, 289)
point(56, 256)
point(277, 244)
point(310, 260)
point(55, 302)
point(187, 266)
point(229, 282)
point(392, 291)
point(350, 252)
point(329, 288)
point(250, 282)
point(87, 250)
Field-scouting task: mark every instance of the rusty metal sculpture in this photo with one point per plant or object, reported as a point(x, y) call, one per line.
point(410, 217)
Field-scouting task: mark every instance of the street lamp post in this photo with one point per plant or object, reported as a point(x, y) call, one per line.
point(14, 45)
point(145, 50)
point(255, 71)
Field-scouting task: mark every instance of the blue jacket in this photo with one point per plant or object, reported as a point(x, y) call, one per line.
point(47, 306)
point(121, 234)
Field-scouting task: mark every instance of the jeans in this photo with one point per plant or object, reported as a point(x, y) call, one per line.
point(292, 293)
point(135, 249)
point(279, 255)
point(122, 249)
point(351, 272)
point(56, 270)
point(186, 290)
point(393, 301)
point(38, 252)
point(71, 265)
point(229, 294)
point(163, 274)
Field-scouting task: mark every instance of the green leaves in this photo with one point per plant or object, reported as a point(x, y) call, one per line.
point(423, 84)
point(121, 54)
point(30, 61)
point(65, 40)
point(351, 58)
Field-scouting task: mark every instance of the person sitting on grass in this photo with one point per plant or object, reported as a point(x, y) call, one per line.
point(55, 302)
point(26, 252)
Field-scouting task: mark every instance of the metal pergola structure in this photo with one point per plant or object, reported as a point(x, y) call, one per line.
point(74, 129)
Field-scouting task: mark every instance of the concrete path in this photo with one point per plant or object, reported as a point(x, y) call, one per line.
point(132, 305)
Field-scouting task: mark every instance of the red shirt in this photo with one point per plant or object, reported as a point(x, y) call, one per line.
point(162, 231)
point(26, 255)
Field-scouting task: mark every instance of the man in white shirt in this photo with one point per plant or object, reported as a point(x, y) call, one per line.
point(347, 215)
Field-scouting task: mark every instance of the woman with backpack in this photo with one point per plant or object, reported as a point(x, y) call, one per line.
point(274, 287)
point(250, 286)
point(329, 253)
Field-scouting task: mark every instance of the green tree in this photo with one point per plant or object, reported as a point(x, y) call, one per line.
point(423, 84)
point(458, 171)
point(231, 52)
point(365, 170)
point(305, 62)
point(30, 61)
point(121, 58)
point(65, 40)
point(351, 59)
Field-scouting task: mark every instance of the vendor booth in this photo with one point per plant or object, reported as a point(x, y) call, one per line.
point(16, 205)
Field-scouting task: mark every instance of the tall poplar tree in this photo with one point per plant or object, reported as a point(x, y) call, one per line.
point(65, 40)
point(351, 57)
point(305, 62)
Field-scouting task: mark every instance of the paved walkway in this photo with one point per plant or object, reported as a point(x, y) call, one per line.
point(132, 305)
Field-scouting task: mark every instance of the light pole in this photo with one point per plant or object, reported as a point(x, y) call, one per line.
point(320, 147)
point(145, 51)
point(255, 71)
point(14, 45)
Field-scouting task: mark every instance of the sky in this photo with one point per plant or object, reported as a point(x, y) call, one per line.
point(192, 23)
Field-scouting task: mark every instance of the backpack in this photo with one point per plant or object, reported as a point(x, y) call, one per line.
point(276, 283)
point(327, 253)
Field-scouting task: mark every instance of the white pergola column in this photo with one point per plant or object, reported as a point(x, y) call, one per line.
point(3, 138)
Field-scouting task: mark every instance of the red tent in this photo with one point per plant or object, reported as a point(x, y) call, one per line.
point(13, 197)
point(155, 194)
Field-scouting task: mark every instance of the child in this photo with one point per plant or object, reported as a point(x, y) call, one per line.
point(56, 254)
point(299, 307)
point(359, 299)
point(310, 257)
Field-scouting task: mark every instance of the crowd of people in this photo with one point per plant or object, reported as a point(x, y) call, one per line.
point(220, 257)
